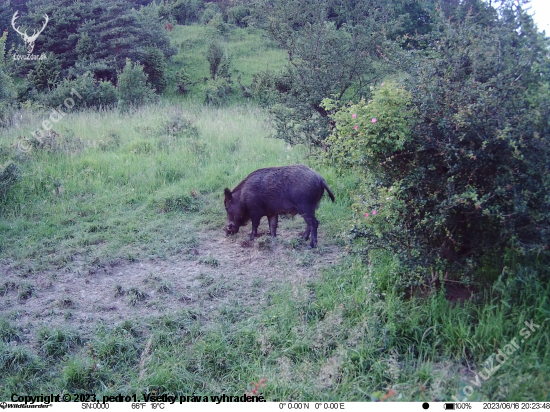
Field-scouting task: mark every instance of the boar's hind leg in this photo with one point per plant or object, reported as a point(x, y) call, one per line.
point(273, 220)
point(312, 225)
point(314, 233)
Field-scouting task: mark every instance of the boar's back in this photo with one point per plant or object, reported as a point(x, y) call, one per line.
point(279, 190)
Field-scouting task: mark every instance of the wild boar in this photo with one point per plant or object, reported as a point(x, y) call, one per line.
point(275, 191)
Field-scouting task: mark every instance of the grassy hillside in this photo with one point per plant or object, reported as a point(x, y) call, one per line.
point(106, 182)
point(250, 52)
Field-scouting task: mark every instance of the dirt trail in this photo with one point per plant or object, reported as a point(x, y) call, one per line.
point(222, 271)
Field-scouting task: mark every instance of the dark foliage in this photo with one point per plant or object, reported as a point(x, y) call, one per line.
point(9, 175)
point(187, 11)
point(94, 93)
point(183, 82)
point(46, 74)
point(215, 56)
point(239, 15)
point(91, 35)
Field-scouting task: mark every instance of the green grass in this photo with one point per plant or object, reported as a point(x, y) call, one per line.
point(351, 335)
point(249, 49)
point(339, 338)
point(147, 190)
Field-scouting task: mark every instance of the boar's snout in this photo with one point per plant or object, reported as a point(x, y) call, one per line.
point(231, 229)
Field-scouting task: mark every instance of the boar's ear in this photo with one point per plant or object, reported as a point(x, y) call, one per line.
point(227, 195)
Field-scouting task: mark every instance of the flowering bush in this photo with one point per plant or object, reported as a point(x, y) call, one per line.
point(465, 150)
point(371, 133)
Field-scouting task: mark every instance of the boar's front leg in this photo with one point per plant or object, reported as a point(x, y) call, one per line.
point(255, 224)
point(306, 233)
point(273, 220)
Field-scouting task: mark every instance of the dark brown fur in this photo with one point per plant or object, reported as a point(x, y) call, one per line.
point(275, 191)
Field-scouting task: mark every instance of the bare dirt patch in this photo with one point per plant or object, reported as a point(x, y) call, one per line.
point(220, 272)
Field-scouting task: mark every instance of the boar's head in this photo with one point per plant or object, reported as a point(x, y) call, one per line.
point(236, 216)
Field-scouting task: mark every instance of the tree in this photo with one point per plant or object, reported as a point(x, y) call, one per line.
point(60, 36)
point(6, 14)
point(46, 74)
point(91, 35)
point(133, 89)
point(335, 48)
point(215, 57)
point(120, 32)
point(187, 11)
point(6, 84)
point(155, 67)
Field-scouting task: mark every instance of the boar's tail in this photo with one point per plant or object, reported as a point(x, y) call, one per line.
point(325, 186)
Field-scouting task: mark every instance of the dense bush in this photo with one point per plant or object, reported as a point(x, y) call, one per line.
point(211, 12)
point(368, 132)
point(93, 93)
point(215, 56)
point(187, 11)
point(7, 91)
point(133, 88)
point(217, 92)
point(458, 166)
point(6, 95)
point(183, 82)
point(97, 35)
point(155, 67)
point(46, 74)
point(238, 15)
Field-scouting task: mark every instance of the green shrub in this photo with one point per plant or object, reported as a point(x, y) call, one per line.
point(462, 173)
point(183, 82)
point(368, 132)
point(217, 92)
point(46, 74)
point(106, 94)
point(187, 11)
point(326, 59)
point(92, 93)
point(155, 67)
point(264, 88)
point(211, 12)
point(215, 57)
point(238, 15)
point(133, 88)
point(9, 175)
point(7, 91)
